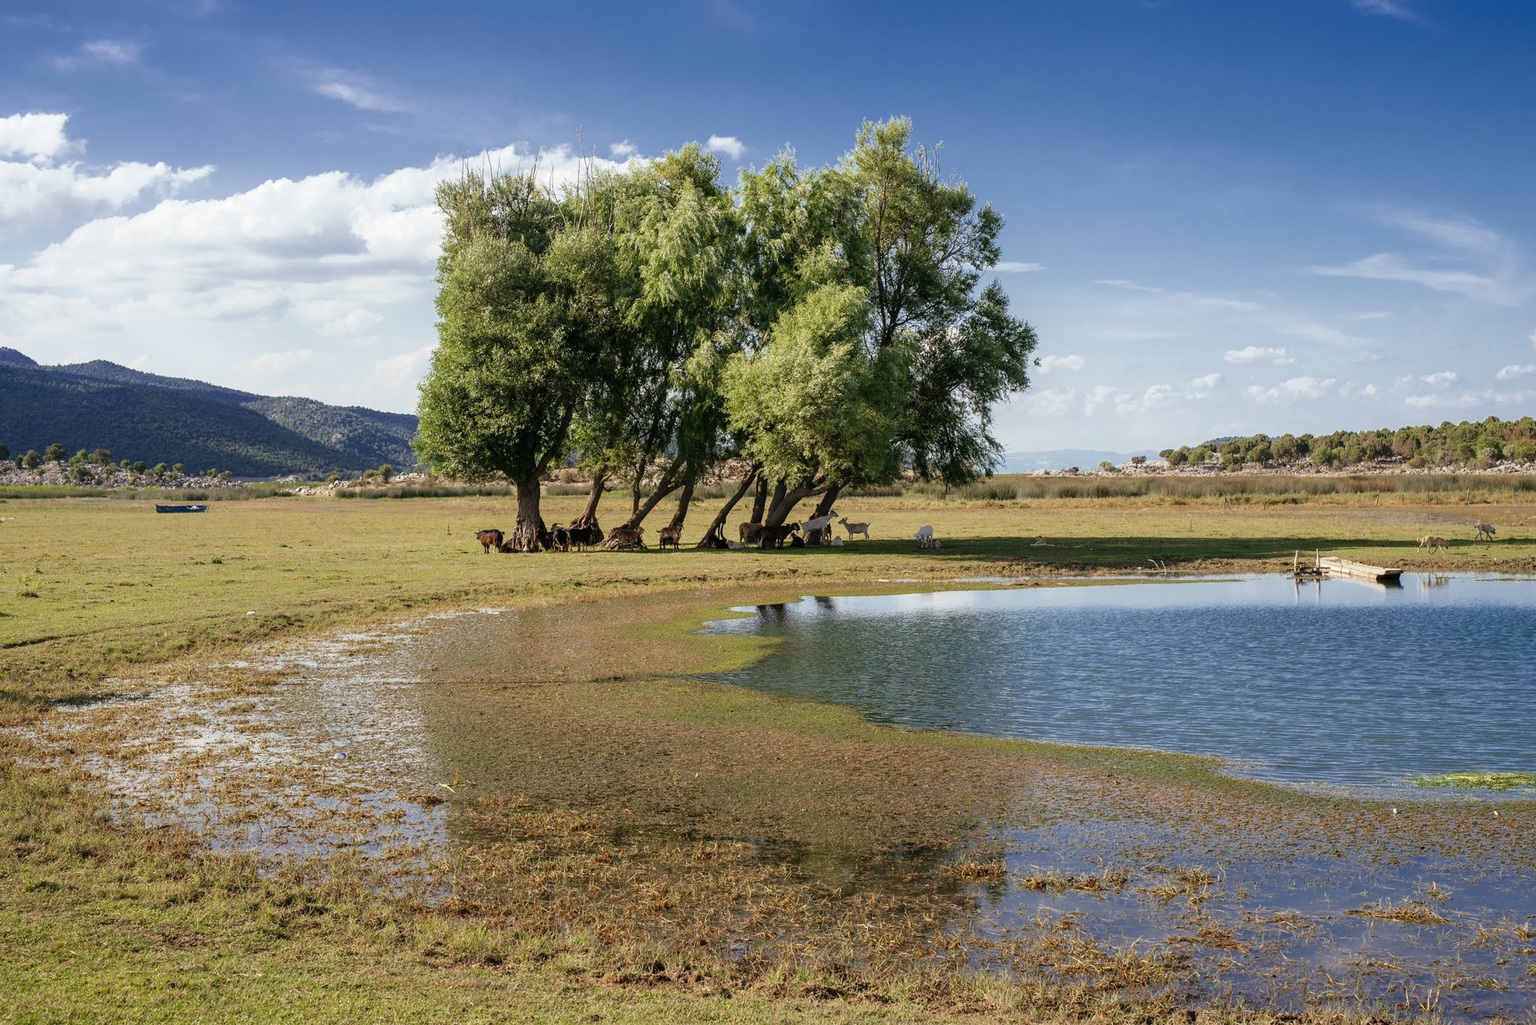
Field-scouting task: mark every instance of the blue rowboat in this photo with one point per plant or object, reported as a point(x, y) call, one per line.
point(180, 508)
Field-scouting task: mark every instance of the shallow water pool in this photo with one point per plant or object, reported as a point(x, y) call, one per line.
point(1332, 682)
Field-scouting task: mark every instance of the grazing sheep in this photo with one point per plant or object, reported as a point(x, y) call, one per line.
point(1485, 532)
point(855, 528)
point(925, 536)
point(1434, 542)
point(670, 536)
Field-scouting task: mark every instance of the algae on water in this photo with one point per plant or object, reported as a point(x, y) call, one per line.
point(1481, 780)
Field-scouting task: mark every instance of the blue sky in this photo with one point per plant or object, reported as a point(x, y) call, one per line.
point(1223, 216)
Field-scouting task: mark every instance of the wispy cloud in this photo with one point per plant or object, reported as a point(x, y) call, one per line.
point(1441, 379)
point(354, 89)
point(1016, 267)
point(1490, 271)
point(727, 144)
point(1385, 8)
point(1516, 370)
point(116, 53)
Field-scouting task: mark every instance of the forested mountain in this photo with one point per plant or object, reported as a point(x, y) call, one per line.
point(176, 420)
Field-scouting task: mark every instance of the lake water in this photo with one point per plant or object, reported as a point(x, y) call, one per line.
point(1336, 682)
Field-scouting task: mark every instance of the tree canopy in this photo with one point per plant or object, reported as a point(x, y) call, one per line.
point(835, 326)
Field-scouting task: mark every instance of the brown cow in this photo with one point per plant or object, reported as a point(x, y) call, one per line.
point(490, 539)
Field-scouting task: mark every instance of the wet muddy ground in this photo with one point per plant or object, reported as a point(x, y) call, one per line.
point(554, 768)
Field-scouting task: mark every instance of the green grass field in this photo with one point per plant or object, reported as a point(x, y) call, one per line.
point(101, 916)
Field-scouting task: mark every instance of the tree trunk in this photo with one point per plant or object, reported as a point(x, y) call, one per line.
point(525, 536)
point(683, 501)
point(759, 501)
point(766, 517)
point(664, 487)
point(823, 508)
point(717, 525)
point(589, 512)
point(785, 499)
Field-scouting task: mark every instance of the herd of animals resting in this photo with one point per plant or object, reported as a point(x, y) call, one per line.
point(817, 530)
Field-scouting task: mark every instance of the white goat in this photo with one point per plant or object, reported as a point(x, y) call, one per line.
point(1485, 532)
point(818, 523)
point(925, 537)
point(855, 528)
point(837, 542)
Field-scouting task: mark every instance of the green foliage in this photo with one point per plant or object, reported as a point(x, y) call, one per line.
point(527, 304)
point(31, 460)
point(5, 453)
point(55, 453)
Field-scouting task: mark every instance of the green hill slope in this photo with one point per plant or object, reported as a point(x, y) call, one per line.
point(168, 419)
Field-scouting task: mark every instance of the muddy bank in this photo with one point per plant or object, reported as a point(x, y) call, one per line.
point(557, 773)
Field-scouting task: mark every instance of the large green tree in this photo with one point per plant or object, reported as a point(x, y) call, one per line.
point(526, 311)
point(866, 314)
point(656, 421)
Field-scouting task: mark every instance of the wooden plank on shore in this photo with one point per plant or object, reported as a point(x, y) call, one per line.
point(1359, 570)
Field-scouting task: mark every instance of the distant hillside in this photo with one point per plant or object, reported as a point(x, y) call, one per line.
point(170, 419)
point(1062, 458)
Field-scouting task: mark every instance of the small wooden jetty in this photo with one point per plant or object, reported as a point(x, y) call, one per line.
point(1328, 565)
point(1360, 570)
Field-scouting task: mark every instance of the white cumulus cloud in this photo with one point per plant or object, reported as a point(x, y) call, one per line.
point(1516, 370)
point(1296, 389)
point(727, 144)
point(622, 150)
point(1258, 354)
point(35, 137)
point(39, 189)
point(335, 265)
point(1442, 378)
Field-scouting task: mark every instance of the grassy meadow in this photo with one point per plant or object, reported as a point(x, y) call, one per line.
point(817, 866)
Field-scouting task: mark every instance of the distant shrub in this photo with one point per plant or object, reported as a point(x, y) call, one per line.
point(31, 460)
point(55, 453)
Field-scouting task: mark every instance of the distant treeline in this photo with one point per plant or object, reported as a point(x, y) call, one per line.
point(1477, 444)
